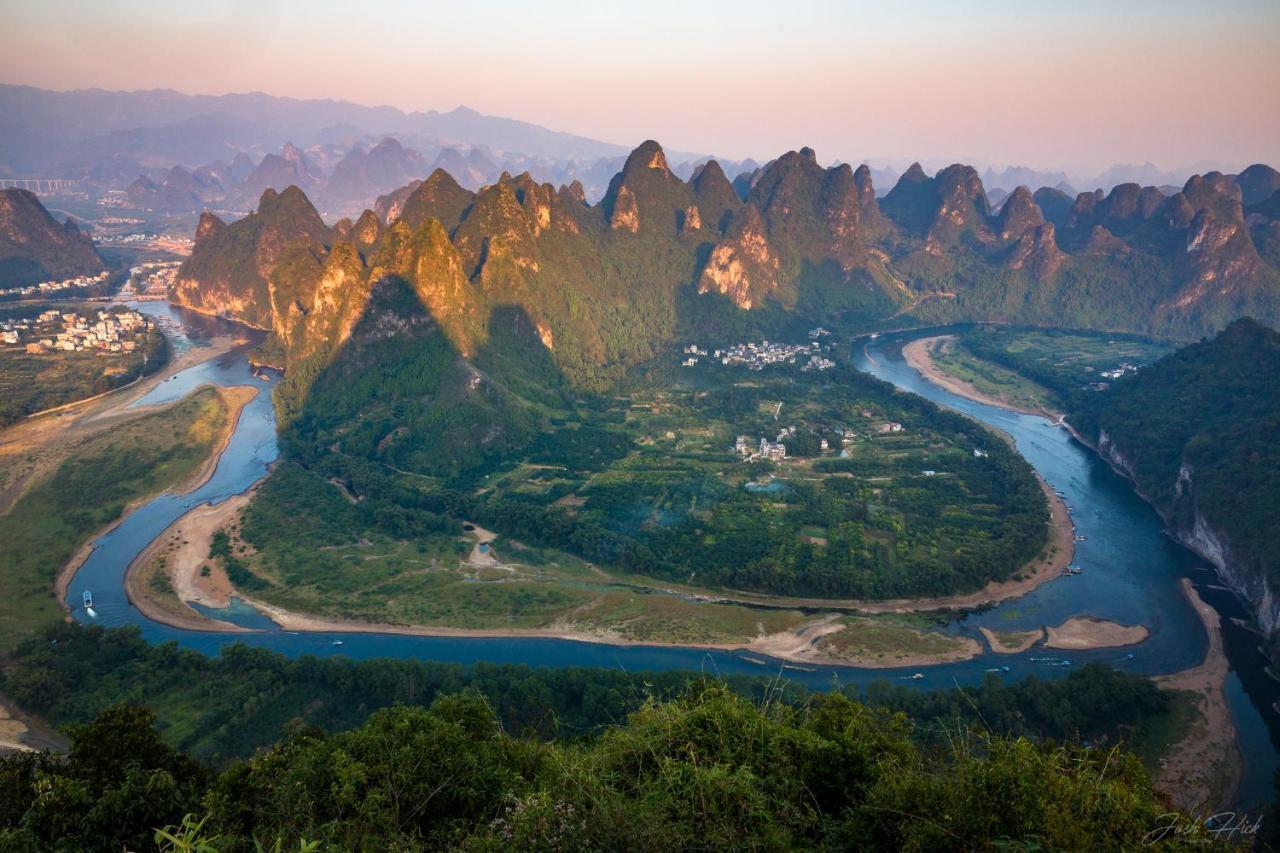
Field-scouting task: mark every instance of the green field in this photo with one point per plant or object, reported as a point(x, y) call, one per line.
point(955, 359)
point(1050, 368)
point(90, 490)
point(619, 514)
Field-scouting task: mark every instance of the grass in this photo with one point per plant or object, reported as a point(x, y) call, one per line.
point(654, 617)
point(89, 491)
point(1159, 734)
point(993, 380)
point(886, 639)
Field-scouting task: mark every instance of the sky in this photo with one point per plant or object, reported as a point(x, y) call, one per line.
point(1074, 84)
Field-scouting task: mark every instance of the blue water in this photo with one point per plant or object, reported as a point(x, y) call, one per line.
point(1131, 574)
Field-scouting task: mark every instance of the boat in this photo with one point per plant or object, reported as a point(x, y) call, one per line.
point(88, 605)
point(756, 661)
point(336, 643)
point(917, 676)
point(797, 666)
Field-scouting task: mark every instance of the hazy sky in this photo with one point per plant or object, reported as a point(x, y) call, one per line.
point(1077, 84)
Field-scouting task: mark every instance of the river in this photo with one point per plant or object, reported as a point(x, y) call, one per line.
point(1132, 570)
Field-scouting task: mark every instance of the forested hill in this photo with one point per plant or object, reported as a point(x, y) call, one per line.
point(1199, 431)
point(34, 247)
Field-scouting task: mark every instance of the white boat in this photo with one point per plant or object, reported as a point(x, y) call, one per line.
point(336, 643)
point(88, 604)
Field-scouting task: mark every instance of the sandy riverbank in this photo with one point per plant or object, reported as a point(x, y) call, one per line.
point(1203, 771)
point(1085, 632)
point(801, 645)
point(918, 355)
point(184, 548)
point(236, 398)
point(1011, 642)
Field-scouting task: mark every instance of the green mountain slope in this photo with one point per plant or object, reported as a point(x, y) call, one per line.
point(1198, 432)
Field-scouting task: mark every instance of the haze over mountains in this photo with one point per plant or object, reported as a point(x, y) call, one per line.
point(179, 153)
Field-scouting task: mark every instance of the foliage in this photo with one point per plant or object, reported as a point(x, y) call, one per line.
point(706, 769)
point(1197, 431)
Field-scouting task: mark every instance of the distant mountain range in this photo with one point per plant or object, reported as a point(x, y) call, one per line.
point(134, 140)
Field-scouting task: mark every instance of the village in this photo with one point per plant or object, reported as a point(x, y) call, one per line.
point(69, 331)
point(152, 280)
point(759, 356)
point(46, 287)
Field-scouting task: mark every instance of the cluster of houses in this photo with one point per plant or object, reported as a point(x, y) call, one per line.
point(155, 277)
point(817, 362)
point(1125, 367)
point(774, 451)
point(759, 356)
point(68, 331)
point(55, 286)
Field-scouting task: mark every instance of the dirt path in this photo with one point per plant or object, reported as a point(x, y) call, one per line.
point(1203, 771)
point(917, 354)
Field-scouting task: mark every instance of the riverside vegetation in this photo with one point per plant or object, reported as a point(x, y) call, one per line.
point(91, 489)
point(548, 758)
point(623, 495)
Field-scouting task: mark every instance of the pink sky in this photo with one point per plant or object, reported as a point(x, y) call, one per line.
point(1077, 85)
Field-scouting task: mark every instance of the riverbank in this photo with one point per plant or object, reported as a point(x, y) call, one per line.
point(35, 446)
point(1202, 772)
point(183, 551)
point(808, 644)
point(235, 399)
point(918, 354)
point(1011, 642)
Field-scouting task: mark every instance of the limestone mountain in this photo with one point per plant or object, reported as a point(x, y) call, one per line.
point(438, 197)
point(229, 267)
point(1258, 183)
point(603, 287)
point(1054, 204)
point(34, 247)
point(180, 190)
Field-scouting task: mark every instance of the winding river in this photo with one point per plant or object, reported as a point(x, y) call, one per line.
point(1132, 571)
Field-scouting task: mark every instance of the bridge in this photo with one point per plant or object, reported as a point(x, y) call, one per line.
point(37, 185)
